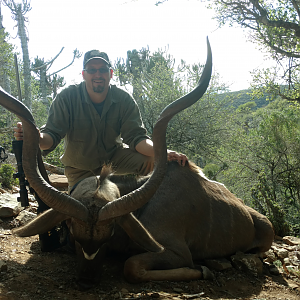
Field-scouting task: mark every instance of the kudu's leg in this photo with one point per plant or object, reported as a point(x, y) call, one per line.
point(167, 265)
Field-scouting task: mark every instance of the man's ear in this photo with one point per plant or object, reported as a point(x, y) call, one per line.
point(111, 73)
point(82, 73)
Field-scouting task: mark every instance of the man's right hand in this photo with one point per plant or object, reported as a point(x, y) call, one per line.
point(46, 140)
point(18, 132)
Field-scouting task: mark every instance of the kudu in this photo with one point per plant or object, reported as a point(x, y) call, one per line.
point(179, 215)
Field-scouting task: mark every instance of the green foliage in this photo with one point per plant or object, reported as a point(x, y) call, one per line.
point(263, 197)
point(274, 26)
point(246, 107)
point(156, 83)
point(211, 170)
point(264, 164)
point(54, 156)
point(39, 112)
point(6, 54)
point(6, 176)
point(239, 98)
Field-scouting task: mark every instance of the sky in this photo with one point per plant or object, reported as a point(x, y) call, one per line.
point(116, 26)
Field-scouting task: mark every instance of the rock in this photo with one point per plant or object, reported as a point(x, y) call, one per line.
point(58, 181)
point(282, 253)
point(297, 254)
point(9, 205)
point(218, 264)
point(193, 296)
point(25, 216)
point(286, 261)
point(274, 270)
point(270, 256)
point(154, 295)
point(11, 159)
point(250, 262)
point(293, 286)
point(207, 274)
point(291, 240)
point(3, 266)
point(124, 291)
point(178, 290)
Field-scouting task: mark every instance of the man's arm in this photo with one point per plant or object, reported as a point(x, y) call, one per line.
point(46, 140)
point(145, 147)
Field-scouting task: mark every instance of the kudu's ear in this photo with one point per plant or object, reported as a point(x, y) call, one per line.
point(41, 224)
point(138, 233)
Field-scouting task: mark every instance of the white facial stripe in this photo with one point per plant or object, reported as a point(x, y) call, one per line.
point(89, 257)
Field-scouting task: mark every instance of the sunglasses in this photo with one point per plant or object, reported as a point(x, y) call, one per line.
point(102, 70)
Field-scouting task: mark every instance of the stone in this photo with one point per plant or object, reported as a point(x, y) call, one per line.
point(282, 253)
point(3, 266)
point(274, 270)
point(270, 256)
point(178, 290)
point(250, 262)
point(207, 274)
point(25, 217)
point(9, 205)
point(193, 296)
point(124, 291)
point(291, 240)
point(293, 286)
point(218, 264)
point(58, 181)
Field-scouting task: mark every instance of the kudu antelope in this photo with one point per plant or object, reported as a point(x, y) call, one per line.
point(169, 219)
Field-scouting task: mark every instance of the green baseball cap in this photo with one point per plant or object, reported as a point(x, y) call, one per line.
point(92, 54)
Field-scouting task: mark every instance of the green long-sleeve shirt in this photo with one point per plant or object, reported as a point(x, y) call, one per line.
point(90, 140)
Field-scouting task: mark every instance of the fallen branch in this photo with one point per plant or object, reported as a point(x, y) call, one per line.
point(54, 169)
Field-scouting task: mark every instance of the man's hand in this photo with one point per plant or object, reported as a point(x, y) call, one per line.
point(145, 147)
point(46, 140)
point(18, 132)
point(179, 157)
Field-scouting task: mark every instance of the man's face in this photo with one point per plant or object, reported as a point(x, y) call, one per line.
point(99, 81)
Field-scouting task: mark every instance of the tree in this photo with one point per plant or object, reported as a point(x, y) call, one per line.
point(7, 70)
point(157, 82)
point(274, 25)
point(19, 11)
point(50, 83)
point(263, 163)
point(6, 58)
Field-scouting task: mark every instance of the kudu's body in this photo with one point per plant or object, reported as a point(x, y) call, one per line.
point(189, 216)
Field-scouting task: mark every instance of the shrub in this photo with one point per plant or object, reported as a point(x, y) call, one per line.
point(6, 176)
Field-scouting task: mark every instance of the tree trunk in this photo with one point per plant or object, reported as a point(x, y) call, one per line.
point(43, 87)
point(26, 60)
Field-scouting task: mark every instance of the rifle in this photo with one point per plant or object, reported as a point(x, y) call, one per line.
point(17, 149)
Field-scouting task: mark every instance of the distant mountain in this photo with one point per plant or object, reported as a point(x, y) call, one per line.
point(243, 96)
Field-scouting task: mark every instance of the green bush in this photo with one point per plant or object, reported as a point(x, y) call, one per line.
point(6, 176)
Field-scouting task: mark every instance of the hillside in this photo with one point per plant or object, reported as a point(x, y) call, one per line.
point(243, 96)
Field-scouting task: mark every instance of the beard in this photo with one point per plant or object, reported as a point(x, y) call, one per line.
point(98, 89)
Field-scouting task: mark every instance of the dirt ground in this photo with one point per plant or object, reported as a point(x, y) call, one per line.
point(28, 273)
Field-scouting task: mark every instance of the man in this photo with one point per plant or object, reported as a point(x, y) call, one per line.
point(100, 123)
